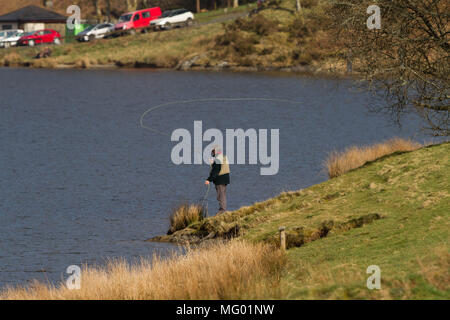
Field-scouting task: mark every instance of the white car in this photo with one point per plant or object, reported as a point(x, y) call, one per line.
point(9, 38)
point(95, 32)
point(173, 18)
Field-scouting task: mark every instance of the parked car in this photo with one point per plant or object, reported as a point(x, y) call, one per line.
point(40, 36)
point(97, 31)
point(138, 19)
point(173, 18)
point(7, 33)
point(11, 37)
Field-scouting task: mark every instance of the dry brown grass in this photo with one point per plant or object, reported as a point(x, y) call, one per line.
point(47, 63)
point(230, 270)
point(11, 59)
point(85, 62)
point(354, 157)
point(185, 214)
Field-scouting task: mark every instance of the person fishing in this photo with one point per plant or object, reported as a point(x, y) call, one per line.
point(220, 176)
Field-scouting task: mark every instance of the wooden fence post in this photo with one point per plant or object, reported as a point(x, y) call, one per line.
point(282, 238)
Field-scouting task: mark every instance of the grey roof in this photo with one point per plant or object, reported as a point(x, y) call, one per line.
point(33, 14)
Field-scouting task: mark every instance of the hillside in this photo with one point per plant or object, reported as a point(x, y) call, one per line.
point(8, 6)
point(274, 39)
point(393, 212)
point(60, 6)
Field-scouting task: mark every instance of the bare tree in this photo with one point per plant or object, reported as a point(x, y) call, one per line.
point(131, 5)
point(108, 9)
point(298, 5)
point(406, 59)
point(98, 10)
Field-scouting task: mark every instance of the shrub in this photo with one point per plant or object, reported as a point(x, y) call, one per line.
point(258, 24)
point(246, 62)
point(262, 26)
point(243, 46)
point(298, 29)
point(240, 43)
point(229, 37)
point(280, 58)
point(309, 3)
point(266, 51)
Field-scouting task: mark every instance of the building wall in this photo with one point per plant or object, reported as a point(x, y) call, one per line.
point(60, 27)
point(28, 27)
point(9, 25)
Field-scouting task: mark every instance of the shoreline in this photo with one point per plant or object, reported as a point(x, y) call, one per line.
point(233, 224)
point(254, 44)
point(306, 71)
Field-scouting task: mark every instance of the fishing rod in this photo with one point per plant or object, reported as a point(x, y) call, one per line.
point(204, 200)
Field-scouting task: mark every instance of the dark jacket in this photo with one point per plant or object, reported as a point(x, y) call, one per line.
point(215, 177)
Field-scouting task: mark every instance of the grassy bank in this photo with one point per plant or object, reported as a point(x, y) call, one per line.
point(392, 212)
point(159, 49)
point(274, 39)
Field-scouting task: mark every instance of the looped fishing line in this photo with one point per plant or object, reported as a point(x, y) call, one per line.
point(204, 100)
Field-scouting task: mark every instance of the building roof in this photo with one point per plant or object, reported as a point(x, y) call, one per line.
point(33, 14)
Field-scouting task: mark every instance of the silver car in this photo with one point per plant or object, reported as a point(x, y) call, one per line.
point(97, 31)
point(173, 18)
point(9, 38)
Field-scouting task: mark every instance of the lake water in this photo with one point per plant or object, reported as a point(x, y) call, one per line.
point(81, 181)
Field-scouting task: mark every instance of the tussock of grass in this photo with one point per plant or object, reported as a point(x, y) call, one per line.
point(47, 63)
point(339, 163)
point(223, 271)
point(84, 62)
point(11, 59)
point(185, 214)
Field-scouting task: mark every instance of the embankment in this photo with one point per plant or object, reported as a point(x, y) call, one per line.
point(392, 212)
point(276, 39)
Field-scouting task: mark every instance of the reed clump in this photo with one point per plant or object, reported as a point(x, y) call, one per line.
point(184, 215)
point(338, 163)
point(11, 59)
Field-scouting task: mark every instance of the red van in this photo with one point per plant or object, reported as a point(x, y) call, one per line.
point(137, 19)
